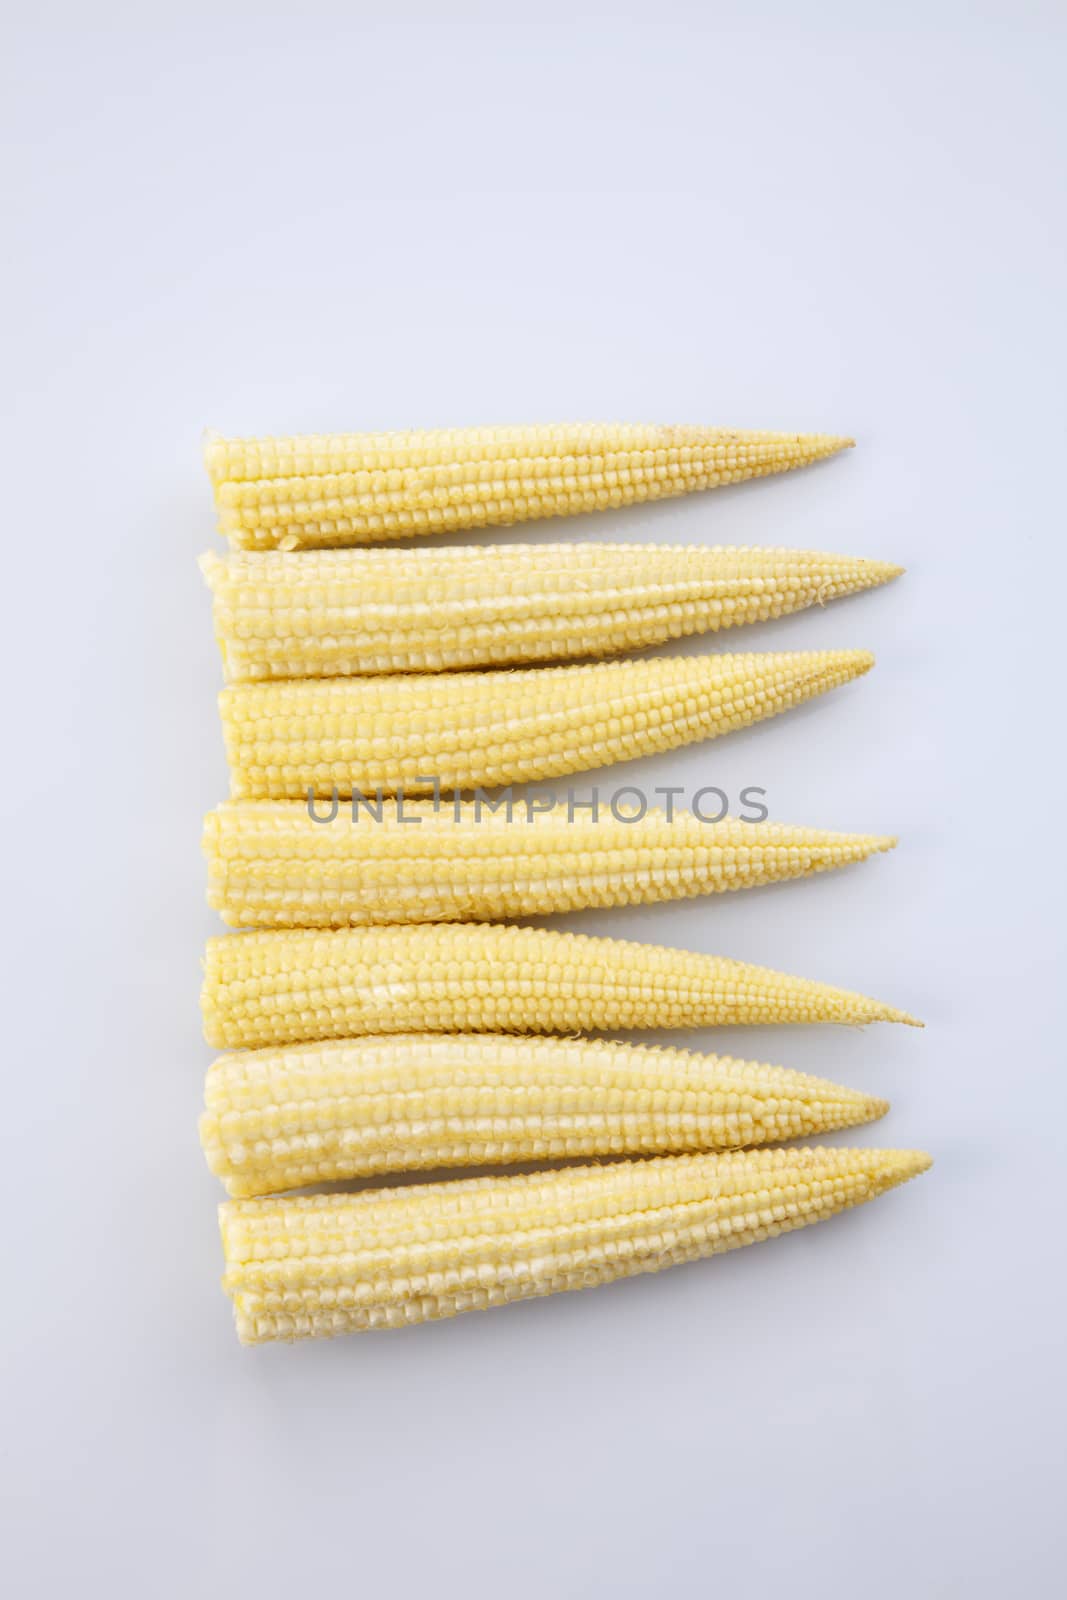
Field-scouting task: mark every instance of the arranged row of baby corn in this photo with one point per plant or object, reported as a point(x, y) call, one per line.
point(381, 1023)
point(289, 1114)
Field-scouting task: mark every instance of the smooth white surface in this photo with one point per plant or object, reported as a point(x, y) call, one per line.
point(298, 218)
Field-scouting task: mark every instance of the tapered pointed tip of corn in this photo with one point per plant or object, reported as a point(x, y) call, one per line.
point(865, 1009)
point(859, 846)
point(848, 664)
point(891, 1014)
point(854, 662)
point(868, 574)
point(818, 446)
point(810, 673)
point(855, 1106)
point(831, 444)
point(890, 1168)
point(865, 572)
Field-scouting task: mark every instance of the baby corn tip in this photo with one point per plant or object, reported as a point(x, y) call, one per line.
point(906, 1164)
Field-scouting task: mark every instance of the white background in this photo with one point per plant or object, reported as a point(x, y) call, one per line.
point(281, 218)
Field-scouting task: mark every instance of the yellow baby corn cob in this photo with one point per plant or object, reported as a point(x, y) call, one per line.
point(467, 730)
point(286, 987)
point(340, 1263)
point(360, 488)
point(311, 1113)
point(343, 613)
point(271, 865)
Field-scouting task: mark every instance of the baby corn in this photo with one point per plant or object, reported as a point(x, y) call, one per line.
point(345, 613)
point(286, 987)
point(271, 865)
point(339, 1263)
point(466, 730)
point(361, 488)
point(308, 1114)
